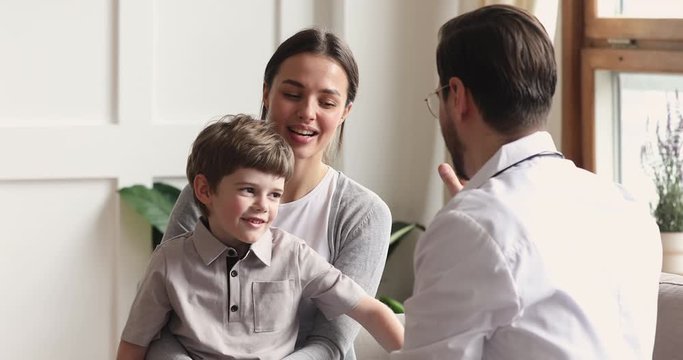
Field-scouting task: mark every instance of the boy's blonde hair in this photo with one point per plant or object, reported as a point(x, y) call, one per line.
point(234, 142)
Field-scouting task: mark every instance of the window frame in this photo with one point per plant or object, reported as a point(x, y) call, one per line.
point(631, 28)
point(590, 43)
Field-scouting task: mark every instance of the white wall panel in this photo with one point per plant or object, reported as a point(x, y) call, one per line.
point(209, 57)
point(56, 63)
point(395, 44)
point(57, 267)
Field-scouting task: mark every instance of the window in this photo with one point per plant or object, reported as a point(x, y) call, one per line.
point(622, 63)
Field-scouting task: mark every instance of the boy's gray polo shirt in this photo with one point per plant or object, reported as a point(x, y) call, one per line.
point(187, 281)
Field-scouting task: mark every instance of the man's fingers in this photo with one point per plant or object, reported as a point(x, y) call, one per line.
point(449, 178)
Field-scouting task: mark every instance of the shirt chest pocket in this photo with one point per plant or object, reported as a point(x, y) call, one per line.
point(274, 305)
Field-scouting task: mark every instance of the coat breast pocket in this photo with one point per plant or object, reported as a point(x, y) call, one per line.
point(274, 305)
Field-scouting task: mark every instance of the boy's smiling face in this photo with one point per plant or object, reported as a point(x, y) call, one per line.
point(243, 205)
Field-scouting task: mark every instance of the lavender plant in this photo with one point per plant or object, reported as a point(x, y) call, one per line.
point(661, 158)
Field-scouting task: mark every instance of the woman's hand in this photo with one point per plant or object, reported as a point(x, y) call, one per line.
point(450, 179)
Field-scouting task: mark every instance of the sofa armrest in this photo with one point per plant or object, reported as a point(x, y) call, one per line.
point(668, 344)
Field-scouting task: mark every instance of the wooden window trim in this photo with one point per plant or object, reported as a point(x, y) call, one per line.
point(572, 42)
point(645, 29)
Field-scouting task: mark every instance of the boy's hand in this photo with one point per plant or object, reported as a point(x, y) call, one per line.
point(380, 322)
point(128, 351)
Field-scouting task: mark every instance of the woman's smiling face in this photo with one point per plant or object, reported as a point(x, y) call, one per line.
point(307, 103)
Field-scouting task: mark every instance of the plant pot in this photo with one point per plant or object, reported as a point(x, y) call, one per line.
point(672, 248)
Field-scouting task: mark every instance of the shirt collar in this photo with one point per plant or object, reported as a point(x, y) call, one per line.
point(512, 153)
point(210, 248)
point(263, 247)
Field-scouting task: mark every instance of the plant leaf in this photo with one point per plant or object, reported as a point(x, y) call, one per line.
point(661, 157)
point(153, 205)
point(393, 304)
point(399, 230)
point(169, 191)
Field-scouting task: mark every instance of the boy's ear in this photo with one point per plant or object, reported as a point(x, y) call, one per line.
point(202, 190)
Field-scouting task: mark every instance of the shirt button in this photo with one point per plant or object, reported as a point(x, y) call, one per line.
point(234, 308)
point(233, 273)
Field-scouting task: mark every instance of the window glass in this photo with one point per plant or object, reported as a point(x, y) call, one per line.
point(642, 102)
point(641, 9)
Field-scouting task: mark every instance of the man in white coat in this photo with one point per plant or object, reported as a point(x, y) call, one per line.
point(534, 258)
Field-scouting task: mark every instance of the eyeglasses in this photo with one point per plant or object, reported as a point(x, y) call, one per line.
point(432, 101)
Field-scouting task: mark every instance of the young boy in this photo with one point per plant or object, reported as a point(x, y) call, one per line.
point(231, 288)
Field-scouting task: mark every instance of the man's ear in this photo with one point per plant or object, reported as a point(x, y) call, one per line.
point(457, 95)
point(202, 190)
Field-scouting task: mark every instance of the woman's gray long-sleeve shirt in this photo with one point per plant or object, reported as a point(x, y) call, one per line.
point(358, 234)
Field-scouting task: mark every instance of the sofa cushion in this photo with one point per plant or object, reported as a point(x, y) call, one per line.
point(668, 343)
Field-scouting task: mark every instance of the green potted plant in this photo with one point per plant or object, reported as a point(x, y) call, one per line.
point(663, 161)
point(154, 204)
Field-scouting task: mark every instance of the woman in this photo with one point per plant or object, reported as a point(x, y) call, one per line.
point(309, 87)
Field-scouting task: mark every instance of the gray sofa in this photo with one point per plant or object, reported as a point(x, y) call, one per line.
point(668, 340)
point(669, 337)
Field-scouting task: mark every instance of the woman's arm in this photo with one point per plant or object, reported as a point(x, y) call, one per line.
point(360, 228)
point(184, 215)
point(167, 347)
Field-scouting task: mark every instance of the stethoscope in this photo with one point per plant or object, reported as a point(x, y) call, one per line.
point(541, 154)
